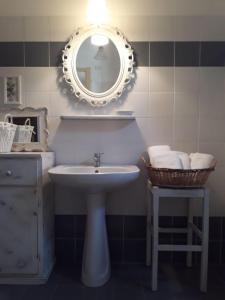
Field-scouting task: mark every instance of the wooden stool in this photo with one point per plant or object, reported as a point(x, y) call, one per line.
point(154, 230)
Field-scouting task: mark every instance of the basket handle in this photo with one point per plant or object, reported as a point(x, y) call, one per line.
point(8, 118)
point(144, 160)
point(27, 122)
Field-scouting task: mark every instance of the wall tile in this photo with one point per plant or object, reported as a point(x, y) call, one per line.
point(137, 102)
point(134, 227)
point(187, 54)
point(36, 54)
point(161, 54)
point(212, 104)
point(65, 251)
point(11, 54)
point(187, 28)
point(186, 104)
point(212, 28)
point(212, 54)
point(215, 228)
point(212, 80)
point(56, 53)
point(79, 226)
point(115, 226)
point(37, 79)
point(162, 28)
point(210, 130)
point(161, 104)
point(141, 80)
point(185, 129)
point(161, 80)
point(216, 149)
point(37, 99)
point(64, 226)
point(11, 29)
point(187, 79)
point(37, 29)
point(160, 130)
point(116, 250)
point(62, 27)
point(141, 53)
point(134, 251)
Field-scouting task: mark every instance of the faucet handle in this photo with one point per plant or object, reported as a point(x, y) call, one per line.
point(98, 154)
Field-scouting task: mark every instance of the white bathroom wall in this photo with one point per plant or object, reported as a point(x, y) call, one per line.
point(180, 106)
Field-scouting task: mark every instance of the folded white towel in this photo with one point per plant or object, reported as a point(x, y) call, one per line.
point(155, 150)
point(185, 160)
point(169, 160)
point(201, 160)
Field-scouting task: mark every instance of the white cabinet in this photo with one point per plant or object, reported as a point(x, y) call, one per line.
point(26, 218)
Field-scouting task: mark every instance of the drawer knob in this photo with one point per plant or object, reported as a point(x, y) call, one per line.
point(8, 173)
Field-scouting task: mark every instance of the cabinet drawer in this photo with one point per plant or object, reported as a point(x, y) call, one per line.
point(18, 171)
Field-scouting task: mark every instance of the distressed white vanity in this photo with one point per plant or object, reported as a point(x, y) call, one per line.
point(26, 218)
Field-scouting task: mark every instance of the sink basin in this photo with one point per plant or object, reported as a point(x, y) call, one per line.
point(93, 179)
point(95, 183)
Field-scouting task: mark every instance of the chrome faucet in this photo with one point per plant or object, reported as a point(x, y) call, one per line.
point(97, 159)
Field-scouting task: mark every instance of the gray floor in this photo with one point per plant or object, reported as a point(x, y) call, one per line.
point(127, 282)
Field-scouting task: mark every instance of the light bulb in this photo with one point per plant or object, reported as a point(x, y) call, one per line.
point(99, 40)
point(97, 12)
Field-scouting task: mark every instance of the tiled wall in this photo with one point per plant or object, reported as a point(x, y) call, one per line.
point(127, 239)
point(178, 98)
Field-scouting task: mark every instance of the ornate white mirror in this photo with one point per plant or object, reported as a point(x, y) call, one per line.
point(98, 64)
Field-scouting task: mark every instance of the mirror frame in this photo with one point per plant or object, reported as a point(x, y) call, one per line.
point(41, 114)
point(126, 65)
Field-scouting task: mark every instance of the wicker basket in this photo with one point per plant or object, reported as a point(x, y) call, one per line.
point(24, 132)
point(7, 132)
point(177, 178)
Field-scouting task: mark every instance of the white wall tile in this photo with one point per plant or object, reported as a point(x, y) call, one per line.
point(161, 79)
point(212, 28)
point(37, 99)
point(37, 79)
point(141, 80)
point(188, 146)
point(185, 129)
point(216, 149)
point(162, 28)
point(137, 102)
point(186, 104)
point(187, 79)
point(212, 130)
point(160, 130)
point(62, 27)
point(11, 29)
point(135, 28)
point(161, 104)
point(187, 28)
point(212, 104)
point(212, 79)
point(37, 29)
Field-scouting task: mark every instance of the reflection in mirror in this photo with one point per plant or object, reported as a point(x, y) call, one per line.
point(33, 122)
point(38, 120)
point(97, 65)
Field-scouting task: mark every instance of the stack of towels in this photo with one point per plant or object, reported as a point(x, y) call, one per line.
point(163, 157)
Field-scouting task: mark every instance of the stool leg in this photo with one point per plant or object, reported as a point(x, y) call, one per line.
point(148, 231)
point(155, 240)
point(189, 233)
point(205, 237)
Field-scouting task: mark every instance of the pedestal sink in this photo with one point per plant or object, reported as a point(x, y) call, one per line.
point(95, 182)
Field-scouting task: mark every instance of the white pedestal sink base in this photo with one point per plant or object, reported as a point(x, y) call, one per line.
point(96, 268)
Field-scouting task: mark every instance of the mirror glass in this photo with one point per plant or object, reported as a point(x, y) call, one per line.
point(97, 64)
point(35, 137)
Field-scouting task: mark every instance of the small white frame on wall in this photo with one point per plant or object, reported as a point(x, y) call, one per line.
point(12, 90)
